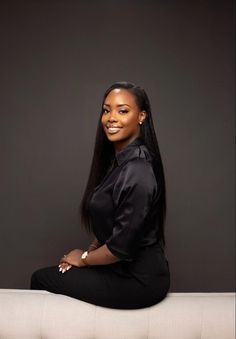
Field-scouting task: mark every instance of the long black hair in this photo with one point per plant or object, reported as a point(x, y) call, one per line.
point(104, 154)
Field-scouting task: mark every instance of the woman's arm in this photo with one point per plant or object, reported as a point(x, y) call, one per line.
point(103, 256)
point(94, 245)
point(99, 256)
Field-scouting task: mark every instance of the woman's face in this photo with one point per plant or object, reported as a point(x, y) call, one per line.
point(121, 117)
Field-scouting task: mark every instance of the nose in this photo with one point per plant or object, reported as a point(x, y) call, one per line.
point(112, 116)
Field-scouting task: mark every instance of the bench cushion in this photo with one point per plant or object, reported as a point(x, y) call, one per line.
point(39, 314)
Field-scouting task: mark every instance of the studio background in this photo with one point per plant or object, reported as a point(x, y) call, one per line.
point(57, 59)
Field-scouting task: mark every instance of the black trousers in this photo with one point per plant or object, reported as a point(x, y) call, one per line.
point(113, 286)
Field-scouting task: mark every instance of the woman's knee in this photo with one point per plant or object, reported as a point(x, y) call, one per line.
point(37, 279)
point(34, 281)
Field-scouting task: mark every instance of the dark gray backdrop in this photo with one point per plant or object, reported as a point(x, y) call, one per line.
point(57, 59)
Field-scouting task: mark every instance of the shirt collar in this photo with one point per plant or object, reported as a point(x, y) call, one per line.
point(136, 149)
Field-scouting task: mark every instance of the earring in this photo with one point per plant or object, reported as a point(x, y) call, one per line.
point(140, 122)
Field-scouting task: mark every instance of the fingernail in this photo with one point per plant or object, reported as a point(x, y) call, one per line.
point(68, 267)
point(60, 269)
point(63, 271)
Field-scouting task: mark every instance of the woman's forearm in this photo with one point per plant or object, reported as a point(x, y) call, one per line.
point(94, 245)
point(101, 256)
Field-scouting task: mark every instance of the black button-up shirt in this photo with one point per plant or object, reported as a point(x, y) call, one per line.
point(124, 206)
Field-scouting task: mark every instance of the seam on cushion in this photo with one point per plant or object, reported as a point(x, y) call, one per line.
point(148, 329)
point(42, 316)
point(95, 322)
point(203, 309)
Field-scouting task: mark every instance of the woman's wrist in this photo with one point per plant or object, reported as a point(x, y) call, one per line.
point(84, 258)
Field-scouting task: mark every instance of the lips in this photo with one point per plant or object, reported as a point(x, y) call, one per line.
point(113, 129)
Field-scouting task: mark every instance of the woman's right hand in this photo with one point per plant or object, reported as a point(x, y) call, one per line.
point(64, 266)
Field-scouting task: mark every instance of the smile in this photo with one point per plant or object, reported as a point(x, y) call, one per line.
point(113, 130)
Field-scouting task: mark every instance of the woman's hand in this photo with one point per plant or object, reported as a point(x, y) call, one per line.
point(73, 258)
point(64, 267)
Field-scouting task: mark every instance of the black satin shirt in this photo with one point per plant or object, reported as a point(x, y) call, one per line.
point(124, 206)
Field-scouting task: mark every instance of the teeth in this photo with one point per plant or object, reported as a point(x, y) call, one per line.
point(113, 129)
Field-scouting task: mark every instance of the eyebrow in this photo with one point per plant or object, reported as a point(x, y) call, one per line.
point(116, 105)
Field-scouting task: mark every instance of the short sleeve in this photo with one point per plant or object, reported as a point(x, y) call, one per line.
point(133, 194)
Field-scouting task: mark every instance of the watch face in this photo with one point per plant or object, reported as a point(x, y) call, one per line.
point(84, 255)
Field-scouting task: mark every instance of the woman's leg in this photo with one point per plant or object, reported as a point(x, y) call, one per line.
point(141, 283)
point(98, 285)
point(80, 283)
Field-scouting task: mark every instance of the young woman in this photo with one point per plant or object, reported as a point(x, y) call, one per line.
point(124, 206)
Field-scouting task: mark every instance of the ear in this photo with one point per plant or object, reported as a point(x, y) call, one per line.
point(142, 116)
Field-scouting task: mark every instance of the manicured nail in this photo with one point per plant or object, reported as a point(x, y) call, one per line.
point(60, 269)
point(63, 271)
point(68, 267)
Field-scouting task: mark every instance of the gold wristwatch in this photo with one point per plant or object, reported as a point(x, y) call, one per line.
point(84, 257)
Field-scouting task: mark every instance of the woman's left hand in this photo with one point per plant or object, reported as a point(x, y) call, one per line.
point(73, 258)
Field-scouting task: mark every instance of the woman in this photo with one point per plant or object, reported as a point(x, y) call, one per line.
point(124, 206)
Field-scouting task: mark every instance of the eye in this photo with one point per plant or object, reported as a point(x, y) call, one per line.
point(123, 111)
point(105, 110)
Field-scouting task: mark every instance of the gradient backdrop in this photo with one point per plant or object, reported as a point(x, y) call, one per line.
point(57, 59)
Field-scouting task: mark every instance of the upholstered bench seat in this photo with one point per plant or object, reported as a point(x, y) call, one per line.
point(26, 314)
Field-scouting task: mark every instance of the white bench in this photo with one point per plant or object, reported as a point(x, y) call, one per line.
point(26, 314)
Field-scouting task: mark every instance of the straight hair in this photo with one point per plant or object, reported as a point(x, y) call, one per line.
point(104, 154)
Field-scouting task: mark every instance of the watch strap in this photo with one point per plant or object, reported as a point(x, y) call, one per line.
point(84, 258)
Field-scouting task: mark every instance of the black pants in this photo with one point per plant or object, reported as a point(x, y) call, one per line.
point(106, 285)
